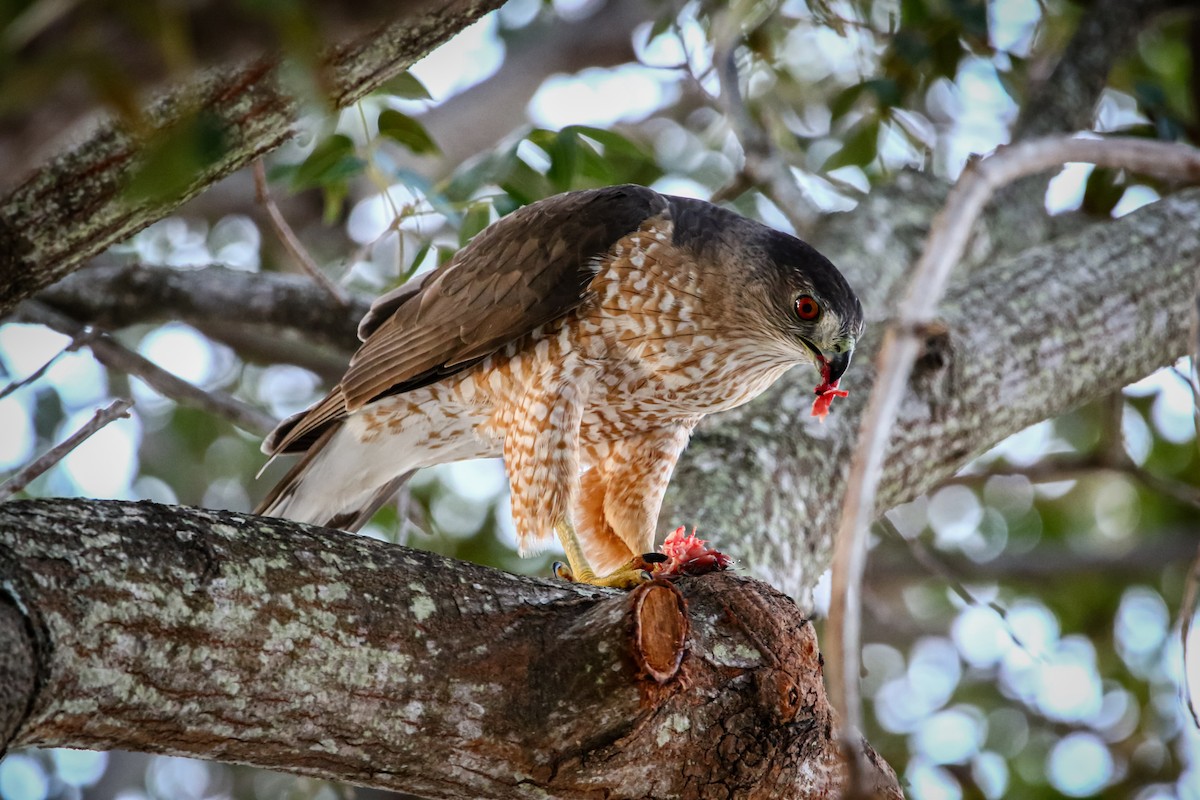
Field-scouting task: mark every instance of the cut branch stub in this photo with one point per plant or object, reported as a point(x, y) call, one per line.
point(660, 628)
point(258, 641)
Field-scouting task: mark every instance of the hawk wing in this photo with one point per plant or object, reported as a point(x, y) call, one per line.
point(527, 269)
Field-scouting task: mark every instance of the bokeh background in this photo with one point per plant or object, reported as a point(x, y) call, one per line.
point(1022, 621)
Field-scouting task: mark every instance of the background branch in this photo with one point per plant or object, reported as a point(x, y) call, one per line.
point(260, 641)
point(76, 205)
point(278, 318)
point(114, 355)
point(762, 164)
point(288, 237)
point(113, 411)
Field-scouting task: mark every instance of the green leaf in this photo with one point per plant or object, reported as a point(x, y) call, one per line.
point(612, 141)
point(478, 215)
point(660, 26)
point(175, 157)
point(415, 264)
point(407, 131)
point(564, 156)
point(886, 91)
point(524, 183)
point(407, 86)
point(843, 101)
point(335, 200)
point(331, 161)
point(466, 181)
point(860, 148)
point(1103, 191)
point(972, 17)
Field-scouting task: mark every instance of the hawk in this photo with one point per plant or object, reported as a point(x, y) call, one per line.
point(582, 338)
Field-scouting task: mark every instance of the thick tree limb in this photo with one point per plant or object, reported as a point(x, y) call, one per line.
point(258, 641)
point(74, 207)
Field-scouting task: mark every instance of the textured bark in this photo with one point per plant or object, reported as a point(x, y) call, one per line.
point(75, 206)
point(259, 641)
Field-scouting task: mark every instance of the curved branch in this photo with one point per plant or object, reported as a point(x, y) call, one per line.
point(259, 641)
point(75, 206)
point(902, 344)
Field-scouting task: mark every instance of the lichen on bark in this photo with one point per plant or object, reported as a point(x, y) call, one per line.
point(260, 641)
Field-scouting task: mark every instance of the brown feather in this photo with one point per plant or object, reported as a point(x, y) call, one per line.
point(526, 270)
point(300, 432)
point(529, 268)
point(356, 519)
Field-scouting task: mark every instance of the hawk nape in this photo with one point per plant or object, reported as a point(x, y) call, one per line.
point(581, 337)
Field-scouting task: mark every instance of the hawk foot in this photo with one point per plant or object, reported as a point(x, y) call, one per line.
point(638, 571)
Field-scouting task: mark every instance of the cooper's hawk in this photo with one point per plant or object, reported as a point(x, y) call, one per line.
point(581, 337)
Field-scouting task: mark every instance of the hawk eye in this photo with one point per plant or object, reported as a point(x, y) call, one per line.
point(807, 308)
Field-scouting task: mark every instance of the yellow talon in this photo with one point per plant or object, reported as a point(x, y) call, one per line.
point(578, 570)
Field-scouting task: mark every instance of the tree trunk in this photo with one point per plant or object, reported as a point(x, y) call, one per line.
point(257, 641)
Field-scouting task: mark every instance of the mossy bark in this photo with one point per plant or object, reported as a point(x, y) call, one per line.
point(258, 641)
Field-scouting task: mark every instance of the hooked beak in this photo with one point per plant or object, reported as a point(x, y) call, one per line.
point(838, 365)
point(838, 362)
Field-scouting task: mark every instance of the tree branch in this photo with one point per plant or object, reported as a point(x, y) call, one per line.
point(902, 345)
point(259, 641)
point(75, 206)
point(113, 411)
point(114, 355)
point(893, 565)
point(294, 318)
point(762, 164)
point(288, 237)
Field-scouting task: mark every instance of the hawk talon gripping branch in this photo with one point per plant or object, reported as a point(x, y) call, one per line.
point(582, 338)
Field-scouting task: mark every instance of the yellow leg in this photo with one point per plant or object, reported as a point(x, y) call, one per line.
point(626, 577)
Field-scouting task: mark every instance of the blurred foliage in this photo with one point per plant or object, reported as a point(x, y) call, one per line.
point(1069, 649)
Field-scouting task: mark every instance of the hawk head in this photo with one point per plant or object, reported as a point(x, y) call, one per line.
point(788, 296)
point(807, 303)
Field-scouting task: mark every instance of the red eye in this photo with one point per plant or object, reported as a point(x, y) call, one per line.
point(807, 308)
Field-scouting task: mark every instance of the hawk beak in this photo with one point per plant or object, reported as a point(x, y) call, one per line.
point(838, 362)
point(838, 365)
